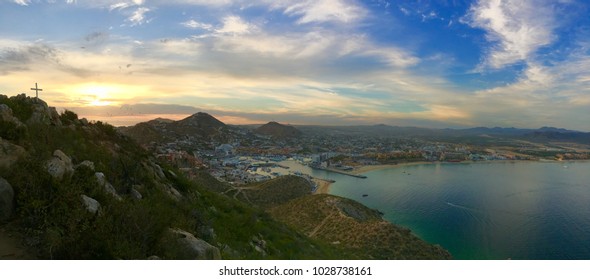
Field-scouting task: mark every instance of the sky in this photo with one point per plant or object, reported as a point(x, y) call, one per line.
point(446, 63)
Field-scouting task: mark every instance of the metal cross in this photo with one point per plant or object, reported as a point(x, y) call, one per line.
point(37, 90)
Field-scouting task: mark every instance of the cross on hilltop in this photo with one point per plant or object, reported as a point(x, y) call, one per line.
point(37, 90)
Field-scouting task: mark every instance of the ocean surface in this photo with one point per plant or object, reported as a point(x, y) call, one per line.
point(488, 210)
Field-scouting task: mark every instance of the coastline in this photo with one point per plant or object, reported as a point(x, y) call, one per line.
point(323, 186)
point(369, 168)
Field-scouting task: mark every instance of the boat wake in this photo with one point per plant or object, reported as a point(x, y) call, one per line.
point(459, 206)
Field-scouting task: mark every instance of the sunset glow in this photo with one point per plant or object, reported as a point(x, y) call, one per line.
point(426, 63)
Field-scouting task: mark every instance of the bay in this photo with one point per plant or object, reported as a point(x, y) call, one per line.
point(491, 210)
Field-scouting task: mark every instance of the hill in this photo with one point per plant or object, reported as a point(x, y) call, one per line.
point(351, 225)
point(278, 131)
point(273, 192)
point(199, 127)
point(342, 222)
point(73, 189)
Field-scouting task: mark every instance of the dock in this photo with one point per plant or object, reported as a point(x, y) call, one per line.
point(339, 172)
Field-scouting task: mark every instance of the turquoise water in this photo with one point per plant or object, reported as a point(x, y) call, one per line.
point(496, 210)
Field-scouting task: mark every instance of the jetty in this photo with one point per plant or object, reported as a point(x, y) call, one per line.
point(338, 171)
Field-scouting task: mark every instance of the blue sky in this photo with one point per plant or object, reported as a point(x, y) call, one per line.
point(441, 63)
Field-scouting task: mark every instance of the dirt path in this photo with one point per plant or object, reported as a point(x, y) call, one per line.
point(11, 248)
point(318, 227)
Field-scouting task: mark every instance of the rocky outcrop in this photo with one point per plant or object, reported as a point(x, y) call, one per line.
point(9, 153)
point(91, 204)
point(194, 248)
point(43, 114)
point(60, 165)
point(6, 200)
point(102, 181)
point(7, 116)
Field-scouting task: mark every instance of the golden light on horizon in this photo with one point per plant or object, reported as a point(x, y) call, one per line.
point(103, 94)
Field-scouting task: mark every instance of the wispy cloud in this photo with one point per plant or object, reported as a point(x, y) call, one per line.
point(22, 2)
point(138, 16)
point(192, 24)
point(516, 29)
point(310, 11)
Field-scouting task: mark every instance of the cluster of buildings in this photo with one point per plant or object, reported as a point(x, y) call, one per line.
point(249, 158)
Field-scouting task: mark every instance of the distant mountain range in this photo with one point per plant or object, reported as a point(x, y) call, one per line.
point(202, 126)
point(543, 134)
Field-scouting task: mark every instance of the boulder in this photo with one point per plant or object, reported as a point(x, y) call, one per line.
point(91, 204)
point(6, 200)
point(171, 191)
point(60, 165)
point(87, 163)
point(63, 157)
point(102, 181)
point(194, 248)
point(9, 153)
point(157, 170)
point(135, 194)
point(100, 178)
point(174, 192)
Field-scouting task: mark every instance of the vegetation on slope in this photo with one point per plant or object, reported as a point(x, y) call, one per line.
point(351, 225)
point(342, 222)
point(147, 201)
point(54, 221)
point(275, 192)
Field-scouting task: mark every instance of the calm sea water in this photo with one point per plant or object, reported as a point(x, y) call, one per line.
point(496, 210)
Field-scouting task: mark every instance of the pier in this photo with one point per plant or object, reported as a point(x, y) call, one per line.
point(339, 171)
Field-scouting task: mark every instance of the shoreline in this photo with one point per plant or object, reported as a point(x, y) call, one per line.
point(369, 168)
point(324, 186)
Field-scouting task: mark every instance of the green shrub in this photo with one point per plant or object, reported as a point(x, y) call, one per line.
point(11, 131)
point(68, 117)
point(21, 110)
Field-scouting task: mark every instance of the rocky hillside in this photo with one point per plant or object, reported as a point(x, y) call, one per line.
point(278, 131)
point(73, 189)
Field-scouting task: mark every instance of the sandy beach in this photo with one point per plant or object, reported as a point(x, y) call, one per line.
point(323, 186)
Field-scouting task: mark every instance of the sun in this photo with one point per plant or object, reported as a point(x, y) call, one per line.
point(100, 103)
point(98, 94)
